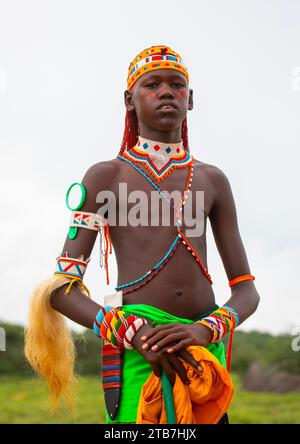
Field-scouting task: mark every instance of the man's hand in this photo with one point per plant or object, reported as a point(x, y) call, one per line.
point(170, 362)
point(183, 335)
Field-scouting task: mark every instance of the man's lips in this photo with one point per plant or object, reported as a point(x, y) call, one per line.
point(167, 107)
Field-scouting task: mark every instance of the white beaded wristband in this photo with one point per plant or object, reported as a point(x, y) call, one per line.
point(131, 331)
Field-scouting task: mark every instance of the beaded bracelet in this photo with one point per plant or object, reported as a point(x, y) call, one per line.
point(220, 322)
point(243, 277)
point(99, 318)
point(117, 326)
point(131, 331)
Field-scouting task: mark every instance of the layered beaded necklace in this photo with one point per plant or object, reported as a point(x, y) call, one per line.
point(187, 162)
point(159, 158)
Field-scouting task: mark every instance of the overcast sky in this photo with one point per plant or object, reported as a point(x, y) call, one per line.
point(63, 68)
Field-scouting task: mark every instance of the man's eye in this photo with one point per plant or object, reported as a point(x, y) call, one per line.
point(151, 84)
point(178, 85)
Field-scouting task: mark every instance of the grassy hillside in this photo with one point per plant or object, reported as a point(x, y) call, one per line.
point(24, 400)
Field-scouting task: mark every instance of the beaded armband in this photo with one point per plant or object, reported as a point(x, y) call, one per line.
point(90, 221)
point(70, 266)
point(117, 326)
point(73, 268)
point(94, 222)
point(220, 322)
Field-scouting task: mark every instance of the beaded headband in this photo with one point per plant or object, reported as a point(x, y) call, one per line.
point(150, 59)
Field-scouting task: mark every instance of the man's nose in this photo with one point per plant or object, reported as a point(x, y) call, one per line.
point(165, 91)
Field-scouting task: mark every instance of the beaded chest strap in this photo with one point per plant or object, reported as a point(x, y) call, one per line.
point(150, 274)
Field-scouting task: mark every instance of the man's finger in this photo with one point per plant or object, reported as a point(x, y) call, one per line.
point(156, 370)
point(161, 336)
point(159, 343)
point(180, 345)
point(168, 370)
point(184, 354)
point(179, 367)
point(157, 329)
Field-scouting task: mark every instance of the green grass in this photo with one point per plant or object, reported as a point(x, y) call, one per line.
point(264, 408)
point(25, 401)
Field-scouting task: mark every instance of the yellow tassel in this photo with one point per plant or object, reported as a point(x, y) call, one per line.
point(84, 287)
point(71, 284)
point(80, 284)
point(49, 346)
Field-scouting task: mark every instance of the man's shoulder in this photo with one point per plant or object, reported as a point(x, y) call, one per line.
point(209, 171)
point(104, 166)
point(104, 170)
point(102, 175)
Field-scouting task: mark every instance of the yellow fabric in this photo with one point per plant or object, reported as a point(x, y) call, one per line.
point(204, 401)
point(146, 65)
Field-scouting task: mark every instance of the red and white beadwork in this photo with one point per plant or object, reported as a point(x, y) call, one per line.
point(131, 331)
point(90, 221)
point(71, 267)
point(155, 58)
point(159, 158)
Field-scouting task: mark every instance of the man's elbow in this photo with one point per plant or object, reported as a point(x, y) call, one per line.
point(255, 299)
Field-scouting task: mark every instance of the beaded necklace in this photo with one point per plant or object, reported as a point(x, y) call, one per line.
point(159, 158)
point(149, 275)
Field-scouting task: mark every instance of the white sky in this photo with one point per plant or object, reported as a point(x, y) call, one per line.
point(63, 68)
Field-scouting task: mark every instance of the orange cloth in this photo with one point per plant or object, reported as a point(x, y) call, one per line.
point(204, 401)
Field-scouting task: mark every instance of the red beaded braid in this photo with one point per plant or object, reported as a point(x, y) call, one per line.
point(131, 131)
point(108, 249)
point(184, 135)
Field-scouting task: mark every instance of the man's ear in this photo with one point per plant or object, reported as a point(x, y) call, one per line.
point(128, 100)
point(191, 101)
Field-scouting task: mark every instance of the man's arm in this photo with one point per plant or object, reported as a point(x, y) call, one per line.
point(76, 305)
point(244, 296)
point(79, 308)
point(223, 218)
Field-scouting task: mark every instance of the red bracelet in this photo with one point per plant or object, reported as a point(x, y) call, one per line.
point(243, 277)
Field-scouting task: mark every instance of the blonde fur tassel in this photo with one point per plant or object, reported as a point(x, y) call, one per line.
point(49, 346)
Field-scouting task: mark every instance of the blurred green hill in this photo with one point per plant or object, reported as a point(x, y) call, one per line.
point(248, 348)
point(13, 362)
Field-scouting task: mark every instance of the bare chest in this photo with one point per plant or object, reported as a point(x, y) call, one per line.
point(137, 202)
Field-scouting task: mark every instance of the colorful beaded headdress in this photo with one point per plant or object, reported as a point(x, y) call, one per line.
point(155, 57)
point(150, 59)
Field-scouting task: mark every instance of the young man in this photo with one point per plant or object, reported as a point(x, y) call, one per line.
point(164, 287)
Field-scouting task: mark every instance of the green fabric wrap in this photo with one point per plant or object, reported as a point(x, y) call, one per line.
point(136, 370)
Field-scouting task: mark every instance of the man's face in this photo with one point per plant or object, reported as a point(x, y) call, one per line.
point(155, 89)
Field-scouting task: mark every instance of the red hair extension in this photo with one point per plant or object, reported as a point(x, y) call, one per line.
point(184, 134)
point(108, 249)
point(131, 132)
